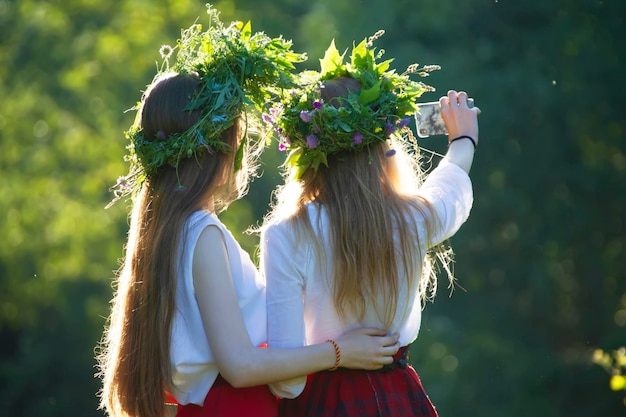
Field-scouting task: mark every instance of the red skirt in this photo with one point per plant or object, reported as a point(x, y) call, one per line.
point(223, 400)
point(396, 392)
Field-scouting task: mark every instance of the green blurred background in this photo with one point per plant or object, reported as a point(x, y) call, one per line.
point(542, 259)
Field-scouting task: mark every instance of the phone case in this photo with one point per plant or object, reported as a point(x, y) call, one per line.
point(428, 119)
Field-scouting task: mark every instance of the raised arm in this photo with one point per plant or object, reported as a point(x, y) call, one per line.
point(462, 125)
point(242, 364)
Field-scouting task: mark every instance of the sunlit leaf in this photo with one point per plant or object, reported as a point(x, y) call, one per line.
point(332, 59)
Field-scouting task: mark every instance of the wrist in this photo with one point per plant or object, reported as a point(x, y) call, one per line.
point(465, 138)
point(337, 354)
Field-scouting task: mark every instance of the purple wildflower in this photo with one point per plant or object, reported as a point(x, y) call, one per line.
point(161, 135)
point(404, 123)
point(317, 104)
point(267, 119)
point(281, 147)
point(357, 138)
point(311, 141)
point(305, 116)
point(390, 153)
point(389, 128)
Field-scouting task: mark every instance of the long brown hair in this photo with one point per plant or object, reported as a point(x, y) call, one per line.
point(134, 360)
point(370, 198)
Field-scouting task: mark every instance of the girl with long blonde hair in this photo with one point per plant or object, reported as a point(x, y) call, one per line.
point(351, 239)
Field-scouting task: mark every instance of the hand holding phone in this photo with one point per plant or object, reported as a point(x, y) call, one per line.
point(429, 121)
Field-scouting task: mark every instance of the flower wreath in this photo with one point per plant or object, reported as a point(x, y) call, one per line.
point(310, 129)
point(240, 72)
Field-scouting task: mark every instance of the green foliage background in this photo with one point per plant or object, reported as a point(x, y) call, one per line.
point(542, 259)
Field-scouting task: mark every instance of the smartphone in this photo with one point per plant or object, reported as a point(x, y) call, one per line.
point(429, 121)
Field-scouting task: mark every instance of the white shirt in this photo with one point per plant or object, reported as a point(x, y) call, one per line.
point(193, 367)
point(300, 305)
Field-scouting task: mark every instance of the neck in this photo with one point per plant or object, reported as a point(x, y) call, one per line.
point(210, 205)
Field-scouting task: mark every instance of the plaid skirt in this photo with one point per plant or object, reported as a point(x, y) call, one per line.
point(223, 400)
point(395, 391)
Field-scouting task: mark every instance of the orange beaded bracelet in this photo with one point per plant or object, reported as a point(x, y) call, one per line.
point(337, 354)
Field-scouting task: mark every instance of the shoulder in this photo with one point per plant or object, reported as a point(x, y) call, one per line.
point(209, 233)
point(192, 228)
point(292, 228)
point(200, 219)
point(211, 244)
point(288, 237)
point(206, 225)
point(275, 232)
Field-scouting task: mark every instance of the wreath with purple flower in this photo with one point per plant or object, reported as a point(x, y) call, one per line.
point(240, 72)
point(310, 129)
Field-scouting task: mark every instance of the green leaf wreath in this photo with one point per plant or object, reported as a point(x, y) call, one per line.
point(310, 130)
point(240, 73)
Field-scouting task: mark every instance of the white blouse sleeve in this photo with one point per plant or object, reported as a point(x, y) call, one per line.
point(449, 191)
point(285, 305)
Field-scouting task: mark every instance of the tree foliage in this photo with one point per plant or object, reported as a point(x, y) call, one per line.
point(541, 261)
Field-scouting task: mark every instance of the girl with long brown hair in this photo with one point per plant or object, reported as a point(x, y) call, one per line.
point(189, 310)
point(356, 228)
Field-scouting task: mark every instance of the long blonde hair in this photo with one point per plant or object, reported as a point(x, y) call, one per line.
point(134, 357)
point(370, 198)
